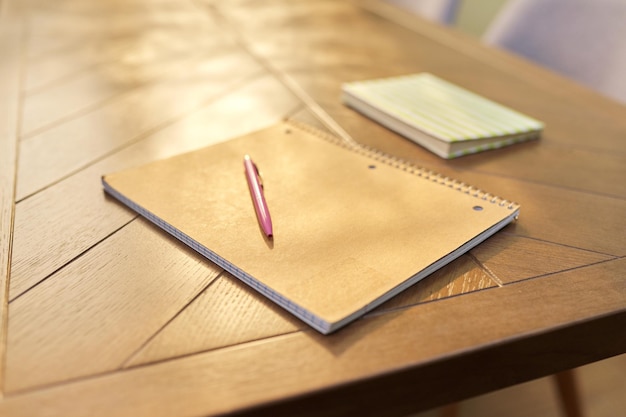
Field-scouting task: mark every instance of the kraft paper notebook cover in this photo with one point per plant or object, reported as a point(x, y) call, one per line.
point(446, 119)
point(352, 227)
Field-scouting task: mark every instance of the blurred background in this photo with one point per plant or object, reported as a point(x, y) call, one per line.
point(474, 16)
point(580, 39)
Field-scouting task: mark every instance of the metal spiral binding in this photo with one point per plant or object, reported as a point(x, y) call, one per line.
point(407, 166)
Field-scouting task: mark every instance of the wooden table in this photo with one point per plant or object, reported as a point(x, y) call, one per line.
point(103, 314)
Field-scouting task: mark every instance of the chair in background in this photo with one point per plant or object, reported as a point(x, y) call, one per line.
point(442, 11)
point(581, 39)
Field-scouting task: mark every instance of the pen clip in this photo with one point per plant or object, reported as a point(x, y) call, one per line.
point(258, 175)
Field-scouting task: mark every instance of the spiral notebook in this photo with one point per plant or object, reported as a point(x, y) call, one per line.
point(352, 227)
point(446, 119)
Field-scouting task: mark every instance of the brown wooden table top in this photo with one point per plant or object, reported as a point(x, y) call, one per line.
point(103, 314)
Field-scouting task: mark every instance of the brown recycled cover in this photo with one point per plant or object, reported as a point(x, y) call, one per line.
point(351, 227)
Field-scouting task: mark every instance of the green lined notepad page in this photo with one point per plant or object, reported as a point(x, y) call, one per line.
point(441, 110)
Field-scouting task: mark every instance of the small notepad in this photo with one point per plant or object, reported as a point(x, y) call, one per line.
point(442, 117)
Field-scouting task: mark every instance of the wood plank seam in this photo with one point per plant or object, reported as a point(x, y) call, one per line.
point(85, 252)
point(242, 82)
point(560, 244)
point(485, 268)
point(565, 270)
point(291, 115)
point(124, 364)
point(77, 72)
point(33, 91)
point(191, 354)
point(284, 79)
point(105, 374)
point(99, 104)
point(12, 40)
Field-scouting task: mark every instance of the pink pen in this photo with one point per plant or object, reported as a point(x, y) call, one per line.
point(255, 185)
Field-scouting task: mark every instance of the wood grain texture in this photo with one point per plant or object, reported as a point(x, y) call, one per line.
point(233, 314)
point(513, 258)
point(10, 78)
point(237, 378)
point(125, 49)
point(128, 118)
point(461, 276)
point(228, 313)
point(91, 89)
point(70, 25)
point(153, 50)
point(545, 295)
point(111, 301)
point(58, 224)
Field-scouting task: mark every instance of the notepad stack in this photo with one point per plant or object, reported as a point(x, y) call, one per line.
point(442, 117)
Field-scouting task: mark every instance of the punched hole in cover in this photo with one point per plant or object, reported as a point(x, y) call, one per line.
point(478, 208)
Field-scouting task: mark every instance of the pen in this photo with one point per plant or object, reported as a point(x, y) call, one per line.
point(255, 185)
